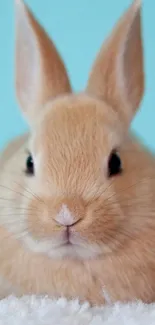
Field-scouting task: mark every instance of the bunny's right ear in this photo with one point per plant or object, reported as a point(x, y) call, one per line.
point(117, 75)
point(40, 72)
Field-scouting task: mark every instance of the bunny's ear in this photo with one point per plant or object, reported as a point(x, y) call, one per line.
point(40, 72)
point(117, 75)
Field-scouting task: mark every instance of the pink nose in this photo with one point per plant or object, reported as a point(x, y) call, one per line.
point(69, 212)
point(66, 218)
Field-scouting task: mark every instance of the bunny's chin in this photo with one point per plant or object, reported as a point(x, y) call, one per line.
point(77, 249)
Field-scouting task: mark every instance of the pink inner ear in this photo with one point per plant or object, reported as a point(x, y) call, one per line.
point(133, 64)
point(27, 65)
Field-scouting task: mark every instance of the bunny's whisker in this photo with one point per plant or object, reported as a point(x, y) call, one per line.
point(14, 191)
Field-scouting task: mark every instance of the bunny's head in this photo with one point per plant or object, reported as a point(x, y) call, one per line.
point(81, 163)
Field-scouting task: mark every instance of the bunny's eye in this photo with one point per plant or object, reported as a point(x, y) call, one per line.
point(29, 165)
point(114, 164)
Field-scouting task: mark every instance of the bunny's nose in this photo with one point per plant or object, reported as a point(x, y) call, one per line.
point(65, 217)
point(69, 212)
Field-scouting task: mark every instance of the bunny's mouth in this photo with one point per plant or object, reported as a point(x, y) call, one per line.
point(69, 239)
point(74, 247)
point(63, 246)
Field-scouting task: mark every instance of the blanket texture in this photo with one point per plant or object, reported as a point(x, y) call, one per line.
point(44, 311)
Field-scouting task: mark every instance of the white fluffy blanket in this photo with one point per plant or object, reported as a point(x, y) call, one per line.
point(44, 311)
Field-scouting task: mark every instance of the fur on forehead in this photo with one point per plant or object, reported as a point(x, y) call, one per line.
point(82, 117)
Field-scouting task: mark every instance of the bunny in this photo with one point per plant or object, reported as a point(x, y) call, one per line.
point(77, 193)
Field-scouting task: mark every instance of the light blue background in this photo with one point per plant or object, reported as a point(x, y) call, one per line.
point(78, 29)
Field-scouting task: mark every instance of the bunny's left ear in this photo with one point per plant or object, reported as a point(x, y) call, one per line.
point(40, 72)
point(117, 75)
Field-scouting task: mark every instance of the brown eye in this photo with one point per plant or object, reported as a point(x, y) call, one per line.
point(114, 164)
point(29, 165)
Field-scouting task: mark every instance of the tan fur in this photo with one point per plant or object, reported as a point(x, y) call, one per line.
point(112, 249)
